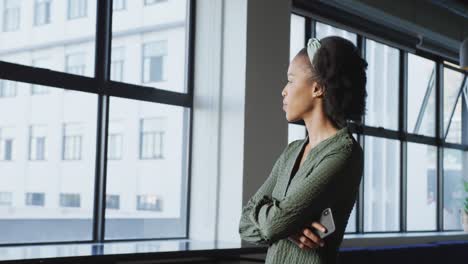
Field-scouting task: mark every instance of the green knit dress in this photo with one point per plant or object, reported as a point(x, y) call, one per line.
point(285, 203)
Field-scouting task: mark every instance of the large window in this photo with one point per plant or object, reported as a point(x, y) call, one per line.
point(409, 152)
point(54, 144)
point(38, 137)
point(145, 154)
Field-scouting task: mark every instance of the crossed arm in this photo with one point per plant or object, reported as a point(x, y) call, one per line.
point(266, 220)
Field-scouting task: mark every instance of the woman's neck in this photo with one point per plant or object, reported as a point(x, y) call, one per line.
point(319, 127)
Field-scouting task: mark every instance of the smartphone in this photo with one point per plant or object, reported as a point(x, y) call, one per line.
point(326, 219)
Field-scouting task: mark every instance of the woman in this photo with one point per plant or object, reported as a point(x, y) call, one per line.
point(326, 88)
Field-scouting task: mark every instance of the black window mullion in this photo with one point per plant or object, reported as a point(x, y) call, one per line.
point(309, 29)
point(102, 75)
point(440, 141)
point(361, 43)
point(464, 121)
point(403, 129)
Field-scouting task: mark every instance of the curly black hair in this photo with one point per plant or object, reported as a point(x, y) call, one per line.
point(340, 69)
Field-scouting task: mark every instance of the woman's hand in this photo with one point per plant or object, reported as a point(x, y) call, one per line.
point(306, 239)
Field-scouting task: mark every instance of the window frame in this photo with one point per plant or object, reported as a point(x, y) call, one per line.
point(100, 84)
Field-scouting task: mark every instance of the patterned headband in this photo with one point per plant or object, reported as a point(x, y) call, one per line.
point(312, 46)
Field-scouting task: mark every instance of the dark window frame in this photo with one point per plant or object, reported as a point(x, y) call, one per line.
point(100, 84)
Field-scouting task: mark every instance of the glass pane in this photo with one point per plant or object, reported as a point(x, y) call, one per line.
point(297, 41)
point(297, 37)
point(46, 198)
point(351, 227)
point(152, 50)
point(147, 170)
point(381, 184)
point(41, 30)
point(421, 184)
point(452, 85)
point(421, 95)
point(455, 172)
point(454, 133)
point(382, 85)
point(324, 30)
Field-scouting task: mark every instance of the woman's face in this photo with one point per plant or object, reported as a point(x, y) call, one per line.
point(300, 93)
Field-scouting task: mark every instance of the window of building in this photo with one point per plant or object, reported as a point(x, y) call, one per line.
point(11, 15)
point(117, 64)
point(72, 141)
point(8, 88)
point(149, 202)
point(37, 142)
point(115, 141)
point(75, 63)
point(77, 8)
point(42, 12)
point(70, 200)
point(6, 199)
point(152, 138)
point(35, 199)
point(6, 144)
point(118, 5)
point(112, 201)
point(154, 57)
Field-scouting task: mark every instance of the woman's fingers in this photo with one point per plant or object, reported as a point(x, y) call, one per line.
point(311, 236)
point(319, 226)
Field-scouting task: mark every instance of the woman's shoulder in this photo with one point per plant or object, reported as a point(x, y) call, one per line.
point(345, 145)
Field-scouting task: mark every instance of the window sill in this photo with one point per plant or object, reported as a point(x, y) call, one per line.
point(111, 252)
point(394, 239)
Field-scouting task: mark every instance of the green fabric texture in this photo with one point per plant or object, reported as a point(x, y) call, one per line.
point(285, 203)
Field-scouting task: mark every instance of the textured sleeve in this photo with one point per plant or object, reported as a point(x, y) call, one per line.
point(247, 229)
point(277, 219)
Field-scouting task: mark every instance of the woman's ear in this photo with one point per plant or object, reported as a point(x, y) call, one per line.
point(317, 90)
